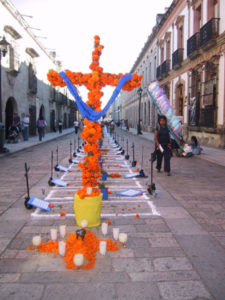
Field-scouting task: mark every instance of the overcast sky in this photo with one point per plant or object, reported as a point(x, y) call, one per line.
point(69, 25)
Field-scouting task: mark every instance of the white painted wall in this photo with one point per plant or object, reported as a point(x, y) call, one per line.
point(221, 95)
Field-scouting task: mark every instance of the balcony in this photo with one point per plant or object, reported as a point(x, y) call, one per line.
point(158, 73)
point(177, 58)
point(193, 45)
point(208, 33)
point(165, 68)
point(208, 117)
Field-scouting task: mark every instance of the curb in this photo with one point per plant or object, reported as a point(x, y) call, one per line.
point(34, 145)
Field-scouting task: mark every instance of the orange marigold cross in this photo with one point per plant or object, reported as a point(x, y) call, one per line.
point(91, 134)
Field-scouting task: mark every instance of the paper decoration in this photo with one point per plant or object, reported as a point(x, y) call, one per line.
point(59, 182)
point(130, 193)
point(132, 175)
point(163, 107)
point(61, 168)
point(75, 161)
point(39, 203)
point(80, 155)
point(119, 159)
point(125, 166)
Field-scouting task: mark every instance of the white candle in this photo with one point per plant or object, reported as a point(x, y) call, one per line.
point(104, 228)
point(84, 223)
point(62, 248)
point(62, 231)
point(78, 260)
point(89, 190)
point(53, 234)
point(36, 240)
point(123, 238)
point(102, 247)
point(116, 232)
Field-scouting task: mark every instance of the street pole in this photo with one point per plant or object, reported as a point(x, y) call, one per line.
point(0, 86)
point(3, 50)
point(139, 92)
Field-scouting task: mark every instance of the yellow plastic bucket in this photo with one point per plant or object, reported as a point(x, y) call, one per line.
point(88, 209)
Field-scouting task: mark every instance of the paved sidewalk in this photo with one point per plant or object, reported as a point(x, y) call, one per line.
point(34, 141)
point(213, 155)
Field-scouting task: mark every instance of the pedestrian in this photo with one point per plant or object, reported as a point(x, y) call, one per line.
point(41, 127)
point(163, 145)
point(76, 126)
point(60, 126)
point(25, 126)
point(126, 125)
point(196, 149)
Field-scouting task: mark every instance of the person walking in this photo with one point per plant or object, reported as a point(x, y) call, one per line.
point(60, 126)
point(41, 127)
point(76, 126)
point(25, 126)
point(163, 145)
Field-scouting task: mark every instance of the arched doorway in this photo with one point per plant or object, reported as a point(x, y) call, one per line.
point(53, 121)
point(65, 120)
point(10, 109)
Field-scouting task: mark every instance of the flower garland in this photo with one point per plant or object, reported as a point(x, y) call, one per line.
point(92, 133)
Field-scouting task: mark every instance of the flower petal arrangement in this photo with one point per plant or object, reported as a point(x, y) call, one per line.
point(92, 132)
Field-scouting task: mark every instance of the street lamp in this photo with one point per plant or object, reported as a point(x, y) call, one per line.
point(3, 50)
point(139, 92)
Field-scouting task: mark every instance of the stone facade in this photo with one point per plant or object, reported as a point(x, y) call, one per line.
point(25, 88)
point(187, 44)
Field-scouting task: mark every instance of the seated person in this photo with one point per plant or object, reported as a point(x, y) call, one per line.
point(196, 149)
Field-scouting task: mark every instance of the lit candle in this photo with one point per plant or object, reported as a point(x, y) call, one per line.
point(78, 260)
point(116, 232)
point(104, 228)
point(53, 234)
point(62, 248)
point(89, 190)
point(36, 240)
point(62, 231)
point(102, 247)
point(84, 223)
point(123, 238)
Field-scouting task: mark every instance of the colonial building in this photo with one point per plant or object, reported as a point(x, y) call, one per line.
point(129, 102)
point(24, 68)
point(191, 44)
point(185, 53)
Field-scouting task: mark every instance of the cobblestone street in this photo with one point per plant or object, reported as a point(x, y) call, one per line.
point(175, 248)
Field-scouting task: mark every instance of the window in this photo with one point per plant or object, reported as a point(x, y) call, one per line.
point(150, 72)
point(168, 49)
point(197, 18)
point(212, 9)
point(154, 67)
point(162, 54)
point(180, 37)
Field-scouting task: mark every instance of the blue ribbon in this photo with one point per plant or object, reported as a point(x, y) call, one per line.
point(87, 111)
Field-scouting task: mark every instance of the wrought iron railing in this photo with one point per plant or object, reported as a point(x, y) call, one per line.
point(177, 58)
point(159, 72)
point(193, 44)
point(209, 31)
point(165, 68)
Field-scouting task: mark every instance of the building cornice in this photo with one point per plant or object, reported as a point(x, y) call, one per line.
point(15, 13)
